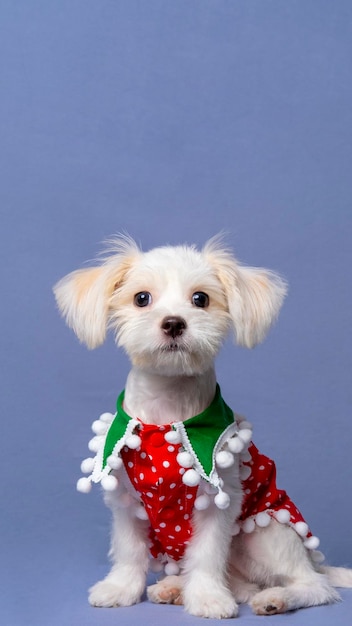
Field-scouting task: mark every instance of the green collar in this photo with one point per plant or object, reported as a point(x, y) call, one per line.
point(202, 435)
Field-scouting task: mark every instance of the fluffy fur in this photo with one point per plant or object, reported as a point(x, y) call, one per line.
point(173, 378)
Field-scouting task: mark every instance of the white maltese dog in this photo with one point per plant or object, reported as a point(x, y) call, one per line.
point(184, 481)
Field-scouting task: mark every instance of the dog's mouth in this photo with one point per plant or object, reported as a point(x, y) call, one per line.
point(173, 347)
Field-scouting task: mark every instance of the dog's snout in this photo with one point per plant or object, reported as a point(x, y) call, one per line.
point(173, 326)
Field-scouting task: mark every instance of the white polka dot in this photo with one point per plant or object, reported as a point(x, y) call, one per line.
point(173, 485)
point(178, 529)
point(161, 498)
point(141, 476)
point(154, 469)
point(160, 480)
point(143, 455)
point(166, 464)
point(262, 467)
point(182, 470)
point(189, 496)
point(149, 494)
point(130, 464)
point(186, 516)
point(162, 525)
point(171, 537)
point(171, 448)
point(268, 494)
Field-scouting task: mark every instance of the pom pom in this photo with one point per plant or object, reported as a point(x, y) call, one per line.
point(133, 442)
point(301, 528)
point(191, 478)
point(84, 485)
point(248, 525)
point(245, 472)
point(245, 435)
point(99, 428)
point(245, 456)
point(222, 500)
point(109, 482)
point(141, 513)
point(236, 529)
point(184, 459)
point(172, 569)
point(106, 417)
point(87, 465)
point(312, 543)
point(202, 502)
point(94, 444)
point(224, 459)
point(172, 436)
point(283, 516)
point(113, 461)
point(262, 519)
point(317, 556)
point(235, 444)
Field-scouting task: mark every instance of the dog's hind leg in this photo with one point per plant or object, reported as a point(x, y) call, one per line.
point(275, 559)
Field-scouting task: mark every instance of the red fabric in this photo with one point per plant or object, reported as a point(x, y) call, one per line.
point(261, 492)
point(155, 474)
point(157, 477)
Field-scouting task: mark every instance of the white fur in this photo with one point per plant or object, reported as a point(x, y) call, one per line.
point(172, 379)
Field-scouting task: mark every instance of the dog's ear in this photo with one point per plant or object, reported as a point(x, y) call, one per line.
point(83, 296)
point(254, 295)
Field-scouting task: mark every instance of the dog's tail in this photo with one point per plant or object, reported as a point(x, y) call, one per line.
point(337, 576)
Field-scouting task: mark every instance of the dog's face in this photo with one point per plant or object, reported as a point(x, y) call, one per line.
point(170, 312)
point(170, 308)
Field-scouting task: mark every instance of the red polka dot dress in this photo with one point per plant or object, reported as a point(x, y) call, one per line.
point(166, 465)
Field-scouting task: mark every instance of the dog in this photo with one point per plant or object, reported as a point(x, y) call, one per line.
point(179, 469)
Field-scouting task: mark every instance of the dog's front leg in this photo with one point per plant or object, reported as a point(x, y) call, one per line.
point(205, 591)
point(125, 583)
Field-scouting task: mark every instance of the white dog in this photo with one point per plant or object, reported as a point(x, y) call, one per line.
point(181, 476)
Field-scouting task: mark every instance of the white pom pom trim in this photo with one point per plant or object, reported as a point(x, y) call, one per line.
point(141, 513)
point(235, 445)
point(301, 528)
point(283, 516)
point(224, 459)
point(106, 417)
point(172, 436)
point(222, 500)
point(95, 443)
point(113, 461)
point(202, 502)
point(133, 442)
point(109, 482)
point(99, 428)
point(245, 435)
point(245, 472)
point(248, 525)
point(312, 543)
point(262, 519)
point(191, 478)
point(171, 569)
point(185, 459)
point(87, 465)
point(84, 485)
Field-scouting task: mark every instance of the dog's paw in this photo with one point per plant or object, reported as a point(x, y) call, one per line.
point(107, 593)
point(166, 591)
point(269, 602)
point(216, 604)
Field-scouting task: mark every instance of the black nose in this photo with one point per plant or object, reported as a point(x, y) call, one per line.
point(173, 326)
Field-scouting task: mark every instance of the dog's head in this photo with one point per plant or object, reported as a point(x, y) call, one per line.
point(171, 307)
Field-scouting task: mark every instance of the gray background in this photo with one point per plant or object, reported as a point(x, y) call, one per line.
point(171, 120)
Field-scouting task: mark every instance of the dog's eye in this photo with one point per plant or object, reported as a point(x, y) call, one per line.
point(200, 299)
point(143, 298)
